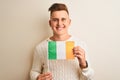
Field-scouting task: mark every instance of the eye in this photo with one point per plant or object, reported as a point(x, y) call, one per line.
point(54, 19)
point(63, 19)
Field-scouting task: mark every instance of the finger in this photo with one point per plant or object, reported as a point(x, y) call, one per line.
point(45, 74)
point(48, 77)
point(78, 52)
point(76, 48)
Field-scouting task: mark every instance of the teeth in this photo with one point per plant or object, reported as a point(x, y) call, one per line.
point(60, 28)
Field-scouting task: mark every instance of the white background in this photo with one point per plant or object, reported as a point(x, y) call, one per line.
point(24, 23)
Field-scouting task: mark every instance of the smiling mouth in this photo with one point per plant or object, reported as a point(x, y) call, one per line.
point(60, 28)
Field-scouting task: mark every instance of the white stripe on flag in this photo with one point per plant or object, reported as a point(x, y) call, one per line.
point(61, 50)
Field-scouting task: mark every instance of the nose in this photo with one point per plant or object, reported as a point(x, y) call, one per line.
point(60, 22)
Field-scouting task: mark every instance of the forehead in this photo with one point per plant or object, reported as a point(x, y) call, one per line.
point(58, 14)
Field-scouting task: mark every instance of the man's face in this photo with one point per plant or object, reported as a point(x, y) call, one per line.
point(59, 22)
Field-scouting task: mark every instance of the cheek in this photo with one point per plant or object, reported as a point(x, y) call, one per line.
point(53, 24)
point(67, 24)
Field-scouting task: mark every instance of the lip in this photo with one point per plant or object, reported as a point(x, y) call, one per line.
point(60, 28)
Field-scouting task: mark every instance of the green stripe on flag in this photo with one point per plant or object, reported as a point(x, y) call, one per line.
point(52, 50)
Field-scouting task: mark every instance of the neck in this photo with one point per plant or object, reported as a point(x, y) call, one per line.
point(60, 37)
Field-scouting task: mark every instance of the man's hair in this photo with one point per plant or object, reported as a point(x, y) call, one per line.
point(58, 7)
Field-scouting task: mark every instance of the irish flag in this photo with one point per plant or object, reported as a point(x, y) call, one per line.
point(60, 50)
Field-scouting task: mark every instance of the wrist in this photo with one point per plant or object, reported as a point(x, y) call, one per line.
point(85, 65)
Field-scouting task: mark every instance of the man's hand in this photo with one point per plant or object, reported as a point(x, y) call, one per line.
point(45, 76)
point(80, 54)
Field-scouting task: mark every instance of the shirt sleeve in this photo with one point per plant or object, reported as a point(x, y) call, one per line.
point(37, 64)
point(88, 72)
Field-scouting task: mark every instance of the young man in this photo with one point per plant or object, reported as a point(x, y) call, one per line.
point(74, 69)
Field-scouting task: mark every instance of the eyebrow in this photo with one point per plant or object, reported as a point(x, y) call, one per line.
point(58, 18)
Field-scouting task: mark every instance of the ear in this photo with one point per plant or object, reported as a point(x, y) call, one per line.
point(50, 23)
point(69, 21)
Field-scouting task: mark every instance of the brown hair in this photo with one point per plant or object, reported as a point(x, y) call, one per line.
point(58, 7)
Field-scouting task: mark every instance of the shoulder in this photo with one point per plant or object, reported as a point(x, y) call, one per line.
point(42, 44)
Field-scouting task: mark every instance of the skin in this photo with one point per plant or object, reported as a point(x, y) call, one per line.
point(59, 23)
point(45, 76)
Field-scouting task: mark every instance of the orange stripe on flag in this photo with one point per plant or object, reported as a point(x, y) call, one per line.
point(69, 51)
